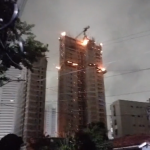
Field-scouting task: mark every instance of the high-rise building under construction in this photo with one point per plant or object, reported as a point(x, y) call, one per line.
point(81, 96)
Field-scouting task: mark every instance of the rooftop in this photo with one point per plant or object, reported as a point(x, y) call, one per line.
point(131, 140)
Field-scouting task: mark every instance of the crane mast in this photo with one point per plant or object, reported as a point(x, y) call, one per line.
point(84, 32)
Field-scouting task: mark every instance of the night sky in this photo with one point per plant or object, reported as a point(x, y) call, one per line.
point(123, 26)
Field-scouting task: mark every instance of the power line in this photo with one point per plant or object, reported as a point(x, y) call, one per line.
point(128, 72)
point(144, 69)
point(112, 95)
point(128, 93)
point(126, 36)
point(74, 111)
point(129, 39)
point(102, 103)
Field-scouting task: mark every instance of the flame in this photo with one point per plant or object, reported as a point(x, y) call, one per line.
point(63, 34)
point(57, 67)
point(103, 69)
point(74, 64)
point(85, 42)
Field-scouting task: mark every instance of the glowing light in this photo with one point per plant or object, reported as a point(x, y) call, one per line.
point(11, 100)
point(57, 67)
point(85, 42)
point(63, 34)
point(99, 71)
point(103, 69)
point(101, 44)
point(74, 64)
point(69, 62)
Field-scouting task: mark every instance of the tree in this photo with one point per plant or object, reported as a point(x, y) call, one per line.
point(93, 137)
point(66, 144)
point(41, 143)
point(83, 141)
point(18, 45)
point(11, 142)
point(98, 133)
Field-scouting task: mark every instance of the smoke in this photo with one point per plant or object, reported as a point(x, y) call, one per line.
point(108, 20)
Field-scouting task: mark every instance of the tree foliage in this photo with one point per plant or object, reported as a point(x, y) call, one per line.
point(98, 133)
point(41, 143)
point(83, 141)
point(18, 45)
point(93, 137)
point(32, 48)
point(66, 144)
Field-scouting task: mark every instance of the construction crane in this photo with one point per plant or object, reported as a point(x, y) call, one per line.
point(84, 32)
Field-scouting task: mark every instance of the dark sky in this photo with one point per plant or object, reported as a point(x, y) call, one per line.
point(127, 21)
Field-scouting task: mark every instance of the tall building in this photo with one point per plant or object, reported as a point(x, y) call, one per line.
point(8, 101)
point(81, 96)
point(129, 117)
point(50, 121)
point(30, 114)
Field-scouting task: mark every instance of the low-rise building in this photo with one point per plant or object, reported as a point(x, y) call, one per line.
point(129, 117)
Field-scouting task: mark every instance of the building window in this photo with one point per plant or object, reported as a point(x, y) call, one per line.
point(116, 132)
point(115, 122)
point(114, 111)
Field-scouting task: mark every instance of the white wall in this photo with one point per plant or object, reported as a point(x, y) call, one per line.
point(146, 148)
point(8, 103)
point(50, 127)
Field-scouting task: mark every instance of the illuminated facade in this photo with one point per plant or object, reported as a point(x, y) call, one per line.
point(81, 96)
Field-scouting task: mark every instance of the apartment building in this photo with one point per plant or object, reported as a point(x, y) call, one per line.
point(8, 101)
point(81, 95)
point(130, 117)
point(30, 114)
